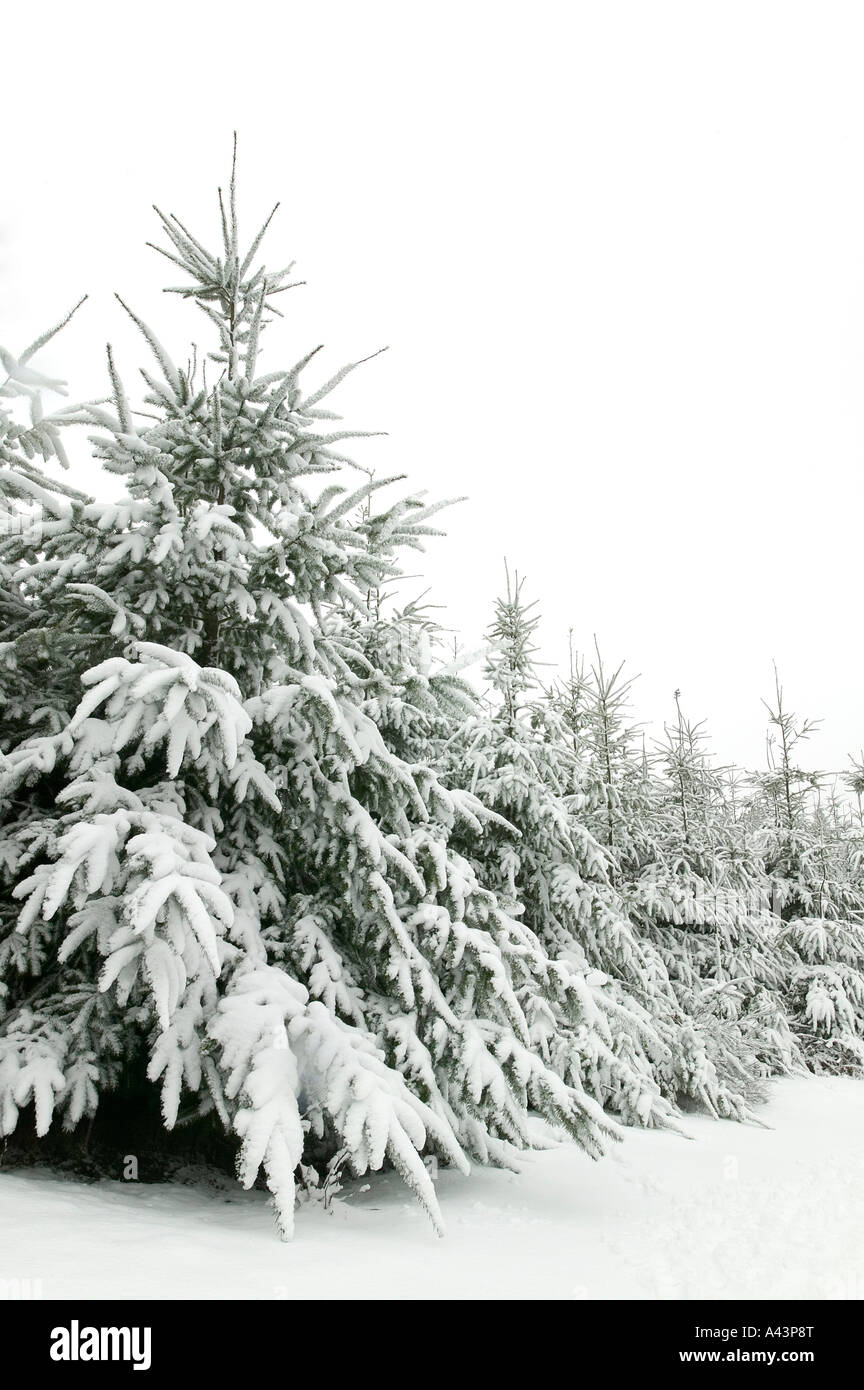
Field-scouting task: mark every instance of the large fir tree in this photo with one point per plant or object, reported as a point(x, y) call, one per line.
point(222, 871)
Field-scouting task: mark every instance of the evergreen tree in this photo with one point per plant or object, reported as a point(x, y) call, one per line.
point(223, 872)
point(692, 888)
point(818, 895)
point(548, 869)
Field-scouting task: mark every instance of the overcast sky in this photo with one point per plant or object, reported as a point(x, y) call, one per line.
point(617, 252)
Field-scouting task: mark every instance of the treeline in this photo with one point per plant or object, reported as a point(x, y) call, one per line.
point(264, 849)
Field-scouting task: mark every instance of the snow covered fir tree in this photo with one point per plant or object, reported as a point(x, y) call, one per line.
point(267, 852)
point(812, 851)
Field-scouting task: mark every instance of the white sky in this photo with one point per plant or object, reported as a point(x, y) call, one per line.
point(617, 250)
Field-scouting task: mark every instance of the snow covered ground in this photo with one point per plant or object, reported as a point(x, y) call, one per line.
point(738, 1212)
